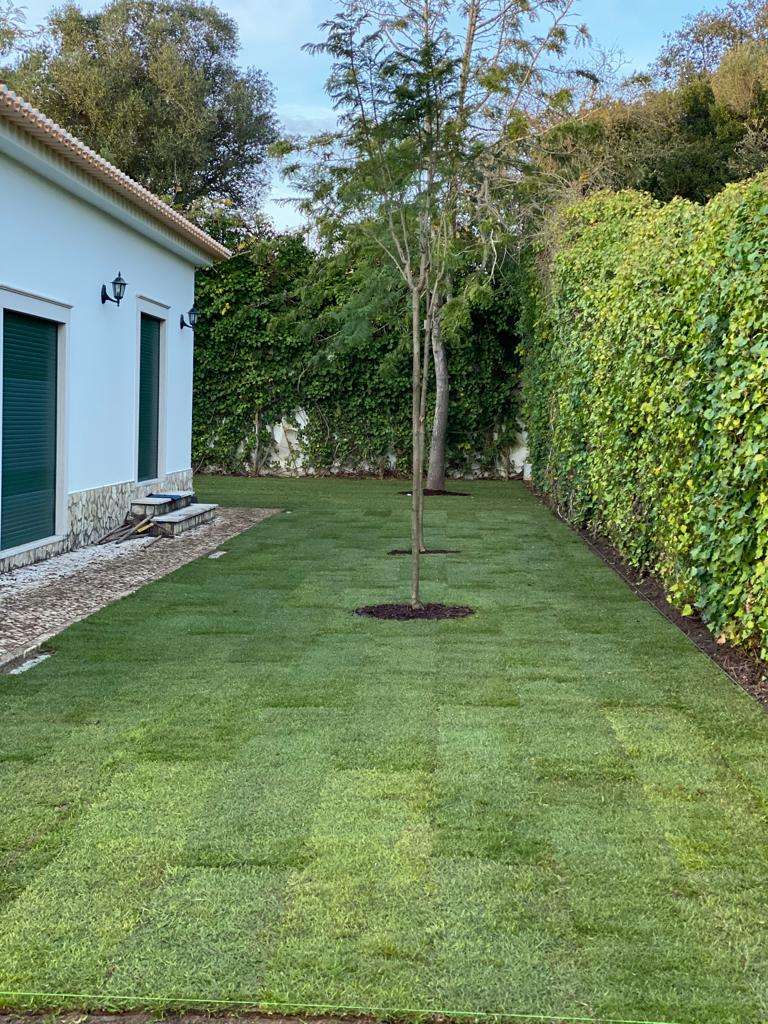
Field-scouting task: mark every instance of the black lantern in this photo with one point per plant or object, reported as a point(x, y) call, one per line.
point(118, 290)
point(192, 314)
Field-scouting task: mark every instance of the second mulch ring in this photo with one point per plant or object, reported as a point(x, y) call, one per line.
point(428, 551)
point(406, 612)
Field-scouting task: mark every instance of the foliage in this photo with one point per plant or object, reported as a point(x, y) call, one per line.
point(283, 330)
point(688, 140)
point(154, 86)
point(12, 29)
point(707, 36)
point(646, 389)
point(696, 122)
point(245, 362)
point(436, 103)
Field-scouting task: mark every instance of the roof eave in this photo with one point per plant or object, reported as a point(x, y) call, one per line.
point(36, 125)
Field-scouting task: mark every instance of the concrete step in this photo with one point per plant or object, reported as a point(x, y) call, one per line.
point(174, 523)
point(161, 504)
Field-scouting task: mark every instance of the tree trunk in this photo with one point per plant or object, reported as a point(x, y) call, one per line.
point(422, 421)
point(436, 474)
point(417, 485)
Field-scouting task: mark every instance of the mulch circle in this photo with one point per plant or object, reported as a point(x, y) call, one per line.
point(404, 612)
point(429, 551)
point(429, 493)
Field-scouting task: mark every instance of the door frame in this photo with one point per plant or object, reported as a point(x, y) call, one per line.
point(17, 301)
point(158, 311)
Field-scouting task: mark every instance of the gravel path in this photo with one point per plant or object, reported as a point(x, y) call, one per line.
point(38, 601)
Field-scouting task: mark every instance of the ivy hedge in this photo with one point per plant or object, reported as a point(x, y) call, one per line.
point(282, 329)
point(645, 391)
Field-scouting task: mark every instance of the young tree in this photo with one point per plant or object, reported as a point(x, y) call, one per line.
point(436, 99)
point(154, 86)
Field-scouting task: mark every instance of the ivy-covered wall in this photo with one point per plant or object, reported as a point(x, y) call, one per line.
point(646, 392)
point(282, 330)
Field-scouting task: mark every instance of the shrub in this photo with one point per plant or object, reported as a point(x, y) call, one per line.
point(646, 392)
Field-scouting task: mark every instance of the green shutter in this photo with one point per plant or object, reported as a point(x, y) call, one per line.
point(149, 397)
point(28, 506)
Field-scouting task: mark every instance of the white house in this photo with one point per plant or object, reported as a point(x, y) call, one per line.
point(96, 395)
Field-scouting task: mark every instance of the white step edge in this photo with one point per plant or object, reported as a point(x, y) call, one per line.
point(188, 512)
point(152, 501)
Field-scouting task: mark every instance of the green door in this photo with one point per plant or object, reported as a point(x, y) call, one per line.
point(28, 485)
point(149, 397)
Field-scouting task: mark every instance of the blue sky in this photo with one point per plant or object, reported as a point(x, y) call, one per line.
point(273, 31)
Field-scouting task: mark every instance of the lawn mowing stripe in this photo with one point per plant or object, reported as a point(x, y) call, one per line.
point(65, 928)
point(229, 914)
point(708, 815)
point(358, 916)
point(503, 894)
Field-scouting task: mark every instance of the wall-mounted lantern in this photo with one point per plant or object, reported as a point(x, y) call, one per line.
point(192, 314)
point(118, 290)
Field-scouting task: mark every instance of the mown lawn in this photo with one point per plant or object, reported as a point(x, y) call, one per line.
point(229, 787)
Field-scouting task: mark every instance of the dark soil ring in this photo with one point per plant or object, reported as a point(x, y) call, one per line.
point(404, 612)
point(429, 551)
point(438, 494)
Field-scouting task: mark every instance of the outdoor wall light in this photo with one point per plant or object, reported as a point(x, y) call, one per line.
point(118, 290)
point(192, 314)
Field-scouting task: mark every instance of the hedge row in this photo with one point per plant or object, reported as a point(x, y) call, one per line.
point(645, 380)
point(282, 329)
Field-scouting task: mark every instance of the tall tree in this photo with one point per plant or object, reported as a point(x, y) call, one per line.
point(705, 38)
point(12, 29)
point(688, 137)
point(435, 100)
point(154, 86)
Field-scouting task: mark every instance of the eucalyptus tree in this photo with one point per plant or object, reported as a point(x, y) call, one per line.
point(435, 100)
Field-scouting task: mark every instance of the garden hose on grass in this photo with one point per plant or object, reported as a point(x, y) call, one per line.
point(307, 1009)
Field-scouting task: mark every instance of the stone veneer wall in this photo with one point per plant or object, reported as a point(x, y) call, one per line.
point(93, 513)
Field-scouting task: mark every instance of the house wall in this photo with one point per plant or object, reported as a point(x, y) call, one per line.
point(56, 250)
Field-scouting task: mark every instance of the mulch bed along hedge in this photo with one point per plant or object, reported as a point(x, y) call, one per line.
point(748, 672)
point(405, 612)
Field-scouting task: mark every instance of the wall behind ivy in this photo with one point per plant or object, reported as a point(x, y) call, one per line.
point(646, 391)
point(323, 342)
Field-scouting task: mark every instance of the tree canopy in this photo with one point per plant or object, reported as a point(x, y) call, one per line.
point(705, 38)
point(154, 86)
point(697, 121)
point(11, 27)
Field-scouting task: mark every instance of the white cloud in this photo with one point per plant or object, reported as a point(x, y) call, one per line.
point(306, 118)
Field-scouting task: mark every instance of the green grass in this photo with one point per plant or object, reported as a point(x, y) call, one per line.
point(229, 787)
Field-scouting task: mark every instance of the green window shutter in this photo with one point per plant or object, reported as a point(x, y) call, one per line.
point(28, 505)
point(149, 397)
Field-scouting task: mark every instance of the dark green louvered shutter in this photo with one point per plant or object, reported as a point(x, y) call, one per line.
point(149, 397)
point(28, 506)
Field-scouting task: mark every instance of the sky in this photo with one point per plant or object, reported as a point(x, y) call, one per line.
point(272, 33)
